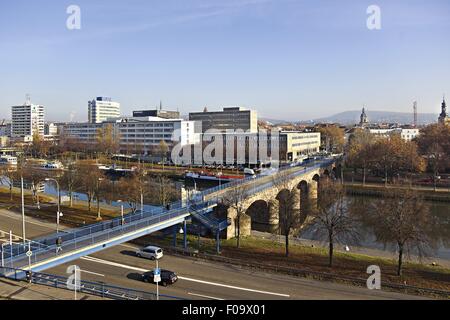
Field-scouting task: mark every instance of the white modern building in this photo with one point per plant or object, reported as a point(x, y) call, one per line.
point(50, 129)
point(407, 134)
point(101, 109)
point(251, 148)
point(139, 135)
point(27, 120)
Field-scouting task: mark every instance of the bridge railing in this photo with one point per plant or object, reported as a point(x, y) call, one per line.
point(95, 236)
point(43, 243)
point(89, 287)
point(260, 183)
point(297, 170)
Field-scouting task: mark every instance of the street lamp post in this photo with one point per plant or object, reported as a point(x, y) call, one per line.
point(142, 204)
point(99, 217)
point(121, 211)
point(23, 210)
point(59, 213)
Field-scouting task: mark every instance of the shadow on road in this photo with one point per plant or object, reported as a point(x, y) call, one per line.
point(134, 276)
point(128, 253)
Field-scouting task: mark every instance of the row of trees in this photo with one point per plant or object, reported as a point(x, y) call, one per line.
point(332, 138)
point(391, 156)
point(387, 156)
point(85, 177)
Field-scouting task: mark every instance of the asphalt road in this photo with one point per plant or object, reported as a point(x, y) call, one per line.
point(197, 279)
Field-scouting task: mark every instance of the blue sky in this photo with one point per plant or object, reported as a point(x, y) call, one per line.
point(289, 59)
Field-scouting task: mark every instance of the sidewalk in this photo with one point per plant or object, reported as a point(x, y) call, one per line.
point(20, 290)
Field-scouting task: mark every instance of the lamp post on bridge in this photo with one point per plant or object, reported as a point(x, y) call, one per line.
point(99, 217)
point(121, 211)
point(59, 213)
point(22, 195)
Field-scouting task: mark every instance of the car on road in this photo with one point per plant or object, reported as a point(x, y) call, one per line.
point(150, 252)
point(167, 277)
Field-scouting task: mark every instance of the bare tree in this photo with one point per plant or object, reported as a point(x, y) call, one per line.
point(331, 218)
point(134, 189)
point(89, 175)
point(162, 150)
point(71, 180)
point(34, 177)
point(7, 176)
point(235, 199)
point(162, 190)
point(403, 219)
point(108, 139)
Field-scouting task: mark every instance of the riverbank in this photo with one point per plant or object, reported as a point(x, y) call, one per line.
point(376, 190)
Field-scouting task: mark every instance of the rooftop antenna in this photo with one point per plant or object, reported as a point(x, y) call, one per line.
point(27, 99)
point(415, 113)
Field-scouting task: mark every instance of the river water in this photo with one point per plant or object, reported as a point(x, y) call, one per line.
point(440, 235)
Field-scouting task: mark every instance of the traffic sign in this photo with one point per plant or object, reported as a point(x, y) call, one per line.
point(29, 253)
point(157, 275)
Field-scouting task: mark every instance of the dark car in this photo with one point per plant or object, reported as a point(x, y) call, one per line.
point(167, 277)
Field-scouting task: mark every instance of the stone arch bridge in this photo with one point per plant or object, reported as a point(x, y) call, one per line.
point(261, 207)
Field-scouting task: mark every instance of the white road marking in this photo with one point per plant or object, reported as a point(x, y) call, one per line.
point(203, 296)
point(115, 264)
point(234, 287)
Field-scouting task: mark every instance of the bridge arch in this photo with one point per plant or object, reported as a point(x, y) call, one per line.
point(264, 216)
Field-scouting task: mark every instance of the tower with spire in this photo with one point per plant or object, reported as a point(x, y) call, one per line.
point(364, 121)
point(443, 117)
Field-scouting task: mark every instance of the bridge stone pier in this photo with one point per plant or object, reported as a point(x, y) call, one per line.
point(262, 208)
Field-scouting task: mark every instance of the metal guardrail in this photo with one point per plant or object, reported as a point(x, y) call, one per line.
point(94, 234)
point(89, 287)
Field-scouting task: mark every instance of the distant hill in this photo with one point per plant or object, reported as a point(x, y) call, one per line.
point(275, 121)
point(352, 117)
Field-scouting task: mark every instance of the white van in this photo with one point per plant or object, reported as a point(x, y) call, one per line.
point(150, 252)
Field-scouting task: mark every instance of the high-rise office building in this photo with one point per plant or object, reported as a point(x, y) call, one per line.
point(27, 120)
point(101, 109)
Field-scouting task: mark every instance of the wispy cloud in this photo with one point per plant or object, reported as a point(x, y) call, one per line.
point(196, 12)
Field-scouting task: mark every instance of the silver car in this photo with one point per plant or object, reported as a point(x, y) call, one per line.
point(150, 252)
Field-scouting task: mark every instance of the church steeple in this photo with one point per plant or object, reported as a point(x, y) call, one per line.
point(363, 118)
point(443, 117)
